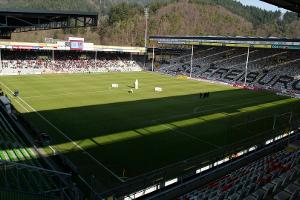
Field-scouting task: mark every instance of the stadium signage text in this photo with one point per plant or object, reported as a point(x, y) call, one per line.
point(69, 46)
point(237, 42)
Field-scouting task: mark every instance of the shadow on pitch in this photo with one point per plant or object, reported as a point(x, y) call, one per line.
point(175, 129)
point(115, 120)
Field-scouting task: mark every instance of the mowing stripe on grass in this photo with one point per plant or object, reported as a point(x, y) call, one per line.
point(62, 133)
point(66, 94)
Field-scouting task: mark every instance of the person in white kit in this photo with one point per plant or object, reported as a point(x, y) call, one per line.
point(136, 84)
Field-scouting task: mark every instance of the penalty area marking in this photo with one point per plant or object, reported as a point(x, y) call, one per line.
point(62, 133)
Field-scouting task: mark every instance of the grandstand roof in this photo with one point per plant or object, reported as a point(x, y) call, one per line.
point(257, 42)
point(226, 38)
point(47, 12)
point(12, 20)
point(292, 5)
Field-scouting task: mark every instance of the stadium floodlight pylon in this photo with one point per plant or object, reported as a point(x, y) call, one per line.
point(246, 67)
point(153, 57)
point(192, 55)
point(146, 11)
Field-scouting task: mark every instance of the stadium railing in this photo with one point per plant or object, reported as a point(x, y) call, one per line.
point(22, 168)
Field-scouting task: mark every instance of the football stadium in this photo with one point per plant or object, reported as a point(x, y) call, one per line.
point(184, 117)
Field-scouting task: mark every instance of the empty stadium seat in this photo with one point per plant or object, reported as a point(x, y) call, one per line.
point(258, 180)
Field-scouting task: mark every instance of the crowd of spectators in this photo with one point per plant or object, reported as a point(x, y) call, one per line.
point(38, 62)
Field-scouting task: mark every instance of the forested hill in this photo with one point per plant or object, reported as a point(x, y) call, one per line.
point(122, 21)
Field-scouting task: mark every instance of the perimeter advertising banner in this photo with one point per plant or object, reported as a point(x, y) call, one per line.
point(266, 46)
point(72, 44)
point(204, 43)
point(236, 45)
point(22, 47)
point(285, 46)
point(88, 46)
point(27, 45)
point(63, 45)
point(139, 50)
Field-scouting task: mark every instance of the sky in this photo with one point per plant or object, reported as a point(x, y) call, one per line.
point(261, 4)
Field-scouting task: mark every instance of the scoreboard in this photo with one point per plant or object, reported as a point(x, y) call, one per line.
point(76, 43)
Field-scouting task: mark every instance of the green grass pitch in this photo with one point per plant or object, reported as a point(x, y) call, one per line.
point(110, 133)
